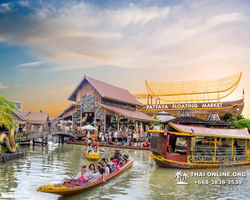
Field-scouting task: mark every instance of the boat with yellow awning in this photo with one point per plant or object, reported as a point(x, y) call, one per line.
point(204, 147)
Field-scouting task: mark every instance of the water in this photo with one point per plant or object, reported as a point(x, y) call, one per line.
point(55, 163)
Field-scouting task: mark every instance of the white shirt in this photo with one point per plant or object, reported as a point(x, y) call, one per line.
point(107, 172)
point(85, 176)
point(115, 135)
point(95, 176)
point(100, 134)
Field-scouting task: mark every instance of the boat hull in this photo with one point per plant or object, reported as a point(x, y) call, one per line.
point(165, 163)
point(113, 146)
point(92, 156)
point(90, 186)
point(82, 143)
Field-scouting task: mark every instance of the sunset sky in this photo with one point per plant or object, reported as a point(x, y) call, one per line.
point(47, 46)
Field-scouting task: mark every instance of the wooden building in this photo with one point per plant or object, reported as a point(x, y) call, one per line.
point(105, 105)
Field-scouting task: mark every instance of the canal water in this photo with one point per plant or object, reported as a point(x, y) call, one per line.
point(55, 163)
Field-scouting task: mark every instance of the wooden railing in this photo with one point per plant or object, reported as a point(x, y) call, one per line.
point(31, 135)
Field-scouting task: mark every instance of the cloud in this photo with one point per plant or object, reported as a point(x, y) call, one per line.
point(80, 35)
point(4, 7)
point(3, 86)
point(31, 64)
point(17, 85)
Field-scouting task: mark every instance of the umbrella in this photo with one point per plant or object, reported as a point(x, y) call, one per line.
point(88, 127)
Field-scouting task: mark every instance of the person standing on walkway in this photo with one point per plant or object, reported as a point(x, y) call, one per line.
point(116, 136)
point(100, 136)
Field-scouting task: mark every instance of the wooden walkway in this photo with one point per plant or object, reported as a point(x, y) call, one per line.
point(32, 135)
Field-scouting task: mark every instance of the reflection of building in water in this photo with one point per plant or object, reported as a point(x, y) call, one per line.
point(7, 175)
point(203, 97)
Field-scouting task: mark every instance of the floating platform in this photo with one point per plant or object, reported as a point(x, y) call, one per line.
point(11, 156)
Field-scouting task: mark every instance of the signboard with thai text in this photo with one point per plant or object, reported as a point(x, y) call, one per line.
point(182, 106)
point(217, 159)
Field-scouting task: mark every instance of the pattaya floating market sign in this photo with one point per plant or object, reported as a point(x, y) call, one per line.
point(184, 106)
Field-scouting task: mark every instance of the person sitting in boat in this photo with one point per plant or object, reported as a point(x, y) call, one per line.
point(116, 164)
point(96, 149)
point(102, 171)
point(118, 144)
point(130, 144)
point(106, 168)
point(123, 143)
point(92, 168)
point(97, 175)
point(147, 144)
point(117, 154)
point(82, 177)
point(89, 149)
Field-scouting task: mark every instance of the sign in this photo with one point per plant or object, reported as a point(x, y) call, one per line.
point(214, 159)
point(183, 106)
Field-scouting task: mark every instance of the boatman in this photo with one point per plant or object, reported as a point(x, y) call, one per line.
point(117, 154)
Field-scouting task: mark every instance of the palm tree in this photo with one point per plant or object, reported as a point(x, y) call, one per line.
point(178, 175)
point(6, 108)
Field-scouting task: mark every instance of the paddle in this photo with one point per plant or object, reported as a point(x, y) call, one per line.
point(101, 150)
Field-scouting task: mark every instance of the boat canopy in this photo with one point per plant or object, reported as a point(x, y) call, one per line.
point(192, 91)
point(185, 130)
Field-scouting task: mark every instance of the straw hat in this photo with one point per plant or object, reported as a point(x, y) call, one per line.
point(116, 160)
point(117, 149)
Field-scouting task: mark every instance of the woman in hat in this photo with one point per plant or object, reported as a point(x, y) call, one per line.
point(117, 154)
point(116, 165)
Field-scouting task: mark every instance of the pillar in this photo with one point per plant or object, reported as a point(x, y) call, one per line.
point(104, 120)
point(136, 125)
point(141, 125)
point(147, 99)
point(155, 100)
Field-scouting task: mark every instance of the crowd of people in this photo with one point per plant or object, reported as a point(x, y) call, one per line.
point(93, 173)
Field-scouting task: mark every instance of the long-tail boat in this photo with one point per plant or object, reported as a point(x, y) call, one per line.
point(127, 147)
point(66, 190)
point(84, 143)
point(92, 156)
point(113, 146)
point(205, 147)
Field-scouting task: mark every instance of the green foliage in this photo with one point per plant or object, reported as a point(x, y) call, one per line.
point(230, 118)
point(6, 108)
point(155, 123)
point(40, 111)
point(243, 123)
point(240, 117)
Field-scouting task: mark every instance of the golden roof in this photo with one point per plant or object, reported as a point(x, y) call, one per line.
point(189, 91)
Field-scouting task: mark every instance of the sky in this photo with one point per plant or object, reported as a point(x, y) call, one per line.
point(47, 46)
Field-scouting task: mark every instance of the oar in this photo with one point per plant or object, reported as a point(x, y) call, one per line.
point(101, 150)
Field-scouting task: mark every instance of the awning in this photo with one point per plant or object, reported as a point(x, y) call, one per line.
point(133, 114)
point(211, 132)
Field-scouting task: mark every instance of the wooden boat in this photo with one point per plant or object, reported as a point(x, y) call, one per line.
point(218, 152)
point(63, 190)
point(92, 156)
point(127, 147)
point(84, 143)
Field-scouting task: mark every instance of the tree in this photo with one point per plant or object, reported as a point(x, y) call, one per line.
point(240, 117)
point(228, 117)
point(243, 123)
point(6, 108)
point(40, 111)
point(155, 123)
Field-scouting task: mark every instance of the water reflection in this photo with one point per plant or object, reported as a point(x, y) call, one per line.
point(55, 163)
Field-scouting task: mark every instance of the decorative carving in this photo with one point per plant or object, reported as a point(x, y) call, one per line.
point(187, 113)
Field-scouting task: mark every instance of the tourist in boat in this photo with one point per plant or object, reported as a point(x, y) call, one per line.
point(106, 168)
point(106, 137)
point(123, 142)
point(96, 149)
point(130, 143)
point(92, 168)
point(81, 178)
point(116, 164)
point(95, 176)
point(89, 149)
point(149, 136)
point(102, 171)
point(117, 154)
